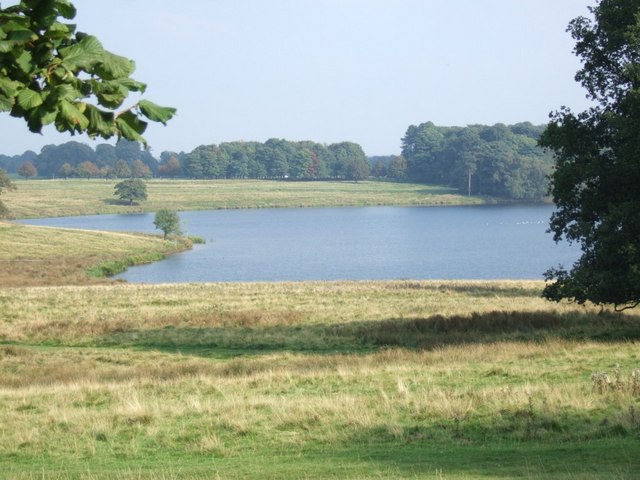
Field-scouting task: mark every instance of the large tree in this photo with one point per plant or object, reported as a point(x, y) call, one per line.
point(51, 74)
point(596, 184)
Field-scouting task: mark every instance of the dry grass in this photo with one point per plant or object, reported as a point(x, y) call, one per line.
point(75, 314)
point(32, 255)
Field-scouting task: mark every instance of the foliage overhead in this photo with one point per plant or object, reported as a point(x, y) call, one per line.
point(51, 74)
point(596, 184)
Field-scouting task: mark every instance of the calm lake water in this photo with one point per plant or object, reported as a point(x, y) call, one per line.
point(480, 242)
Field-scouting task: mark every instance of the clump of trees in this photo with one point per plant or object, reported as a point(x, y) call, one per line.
point(277, 158)
point(500, 161)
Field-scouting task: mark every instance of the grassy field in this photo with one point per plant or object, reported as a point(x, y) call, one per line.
point(444, 380)
point(55, 198)
point(32, 255)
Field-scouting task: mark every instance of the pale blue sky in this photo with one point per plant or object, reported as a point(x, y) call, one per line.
point(333, 70)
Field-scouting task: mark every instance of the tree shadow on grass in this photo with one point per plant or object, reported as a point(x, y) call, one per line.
point(480, 288)
point(367, 336)
point(119, 202)
point(421, 456)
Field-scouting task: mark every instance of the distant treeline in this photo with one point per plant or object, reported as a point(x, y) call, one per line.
point(277, 159)
point(273, 159)
point(500, 161)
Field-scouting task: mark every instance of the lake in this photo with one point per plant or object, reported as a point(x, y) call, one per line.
point(478, 242)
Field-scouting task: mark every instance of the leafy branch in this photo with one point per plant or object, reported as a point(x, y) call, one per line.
point(51, 74)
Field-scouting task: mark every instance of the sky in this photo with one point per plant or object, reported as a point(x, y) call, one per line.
point(332, 70)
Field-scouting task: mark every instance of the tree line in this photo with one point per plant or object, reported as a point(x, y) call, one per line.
point(74, 159)
point(502, 161)
point(274, 158)
point(277, 158)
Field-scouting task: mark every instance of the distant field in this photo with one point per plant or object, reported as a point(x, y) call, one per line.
point(444, 380)
point(54, 198)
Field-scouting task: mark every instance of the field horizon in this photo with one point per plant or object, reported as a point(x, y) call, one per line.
point(54, 198)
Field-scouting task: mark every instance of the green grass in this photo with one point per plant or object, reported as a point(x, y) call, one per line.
point(54, 198)
point(315, 380)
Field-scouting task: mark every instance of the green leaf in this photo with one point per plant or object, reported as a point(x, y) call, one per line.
point(133, 85)
point(6, 103)
point(131, 127)
point(25, 61)
point(155, 112)
point(21, 35)
point(9, 87)
point(60, 31)
point(100, 122)
point(70, 113)
point(29, 99)
point(8, 46)
point(49, 117)
point(34, 122)
point(114, 66)
point(111, 100)
point(44, 13)
point(64, 92)
point(82, 55)
point(66, 9)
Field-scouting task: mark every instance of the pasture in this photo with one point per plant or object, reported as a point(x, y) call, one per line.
point(394, 379)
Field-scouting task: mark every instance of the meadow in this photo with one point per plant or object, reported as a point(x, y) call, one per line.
point(55, 198)
point(396, 379)
point(357, 380)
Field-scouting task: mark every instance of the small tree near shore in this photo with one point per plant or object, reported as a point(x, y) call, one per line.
point(167, 221)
